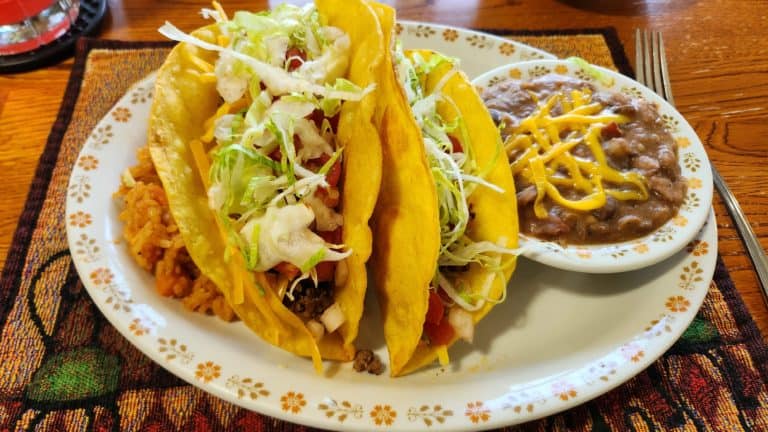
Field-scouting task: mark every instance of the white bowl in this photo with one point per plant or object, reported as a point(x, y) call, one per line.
point(661, 243)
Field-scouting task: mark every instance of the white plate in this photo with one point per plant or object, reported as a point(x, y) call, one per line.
point(667, 239)
point(559, 340)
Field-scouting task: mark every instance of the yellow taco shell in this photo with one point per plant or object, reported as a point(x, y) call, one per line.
point(182, 104)
point(406, 225)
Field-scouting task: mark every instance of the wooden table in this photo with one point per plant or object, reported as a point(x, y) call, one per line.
point(717, 52)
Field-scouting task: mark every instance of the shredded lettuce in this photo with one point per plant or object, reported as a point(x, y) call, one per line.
point(277, 80)
point(313, 260)
point(457, 175)
point(284, 236)
point(327, 166)
point(253, 251)
point(262, 186)
point(591, 70)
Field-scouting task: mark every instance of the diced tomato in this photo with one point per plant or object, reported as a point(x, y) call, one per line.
point(322, 159)
point(446, 298)
point(330, 199)
point(333, 237)
point(297, 144)
point(334, 174)
point(438, 329)
point(295, 57)
point(611, 131)
point(325, 271)
point(276, 155)
point(439, 334)
point(317, 117)
point(334, 122)
point(457, 148)
point(288, 270)
point(436, 309)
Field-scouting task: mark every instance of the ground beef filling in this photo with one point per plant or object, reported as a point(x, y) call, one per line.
point(643, 144)
point(367, 361)
point(310, 301)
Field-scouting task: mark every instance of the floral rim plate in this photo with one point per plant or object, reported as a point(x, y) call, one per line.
point(536, 354)
point(656, 246)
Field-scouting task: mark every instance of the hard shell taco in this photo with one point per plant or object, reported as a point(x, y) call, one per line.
point(445, 227)
point(262, 133)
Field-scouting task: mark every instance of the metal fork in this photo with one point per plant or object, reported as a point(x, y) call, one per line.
point(651, 63)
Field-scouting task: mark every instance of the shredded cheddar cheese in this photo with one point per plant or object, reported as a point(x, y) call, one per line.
point(188, 53)
point(207, 77)
point(239, 282)
point(201, 161)
point(220, 10)
point(225, 108)
point(544, 143)
point(442, 355)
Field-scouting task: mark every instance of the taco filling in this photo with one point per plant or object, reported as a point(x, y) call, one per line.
point(457, 175)
point(270, 157)
point(265, 169)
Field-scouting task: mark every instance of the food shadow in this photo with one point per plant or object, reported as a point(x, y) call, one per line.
point(530, 280)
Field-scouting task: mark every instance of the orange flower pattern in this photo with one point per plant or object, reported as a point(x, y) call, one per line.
point(293, 402)
point(477, 412)
point(677, 304)
point(208, 371)
point(507, 49)
point(641, 248)
point(515, 73)
point(698, 248)
point(88, 163)
point(632, 352)
point(680, 221)
point(101, 276)
point(564, 390)
point(450, 35)
point(80, 219)
point(694, 183)
point(383, 415)
point(561, 69)
point(121, 114)
point(683, 142)
point(137, 328)
point(584, 253)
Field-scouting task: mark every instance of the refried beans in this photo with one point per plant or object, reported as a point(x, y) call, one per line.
point(640, 143)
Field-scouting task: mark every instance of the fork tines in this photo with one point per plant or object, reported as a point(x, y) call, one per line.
point(651, 63)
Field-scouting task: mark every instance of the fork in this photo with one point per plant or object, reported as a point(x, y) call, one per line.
point(651, 63)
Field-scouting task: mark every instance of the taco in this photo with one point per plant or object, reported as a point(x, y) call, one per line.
point(261, 132)
point(445, 226)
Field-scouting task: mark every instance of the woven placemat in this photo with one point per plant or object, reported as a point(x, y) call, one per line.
point(64, 367)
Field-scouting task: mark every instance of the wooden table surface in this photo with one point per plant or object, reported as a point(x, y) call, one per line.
point(718, 61)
